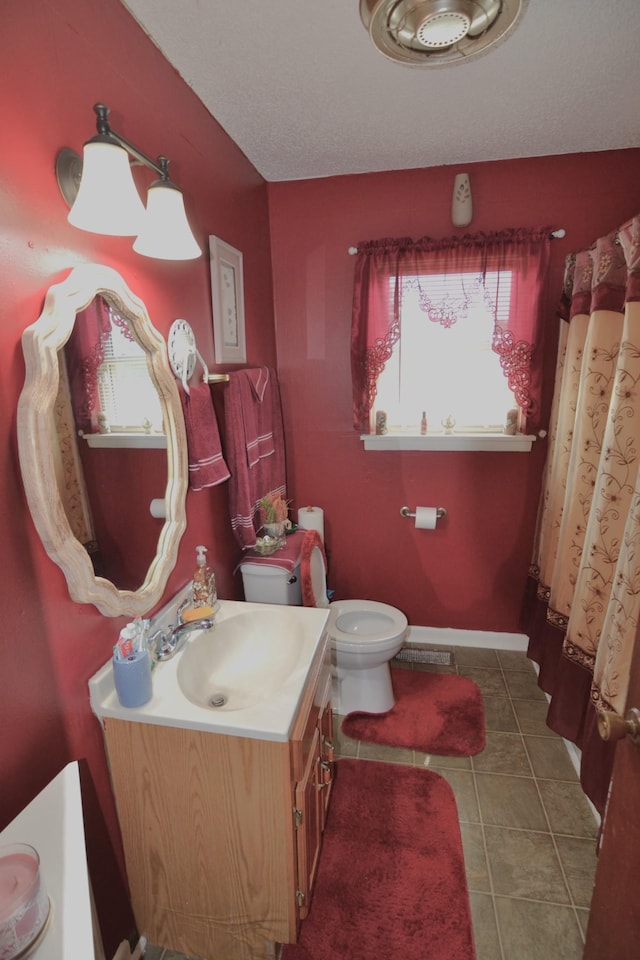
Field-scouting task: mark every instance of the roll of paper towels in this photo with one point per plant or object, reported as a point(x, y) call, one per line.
point(426, 518)
point(312, 518)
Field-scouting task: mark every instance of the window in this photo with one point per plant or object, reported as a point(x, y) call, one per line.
point(108, 379)
point(129, 401)
point(452, 327)
point(443, 363)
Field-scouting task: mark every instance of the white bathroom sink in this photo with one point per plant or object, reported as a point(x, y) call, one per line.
point(257, 657)
point(241, 661)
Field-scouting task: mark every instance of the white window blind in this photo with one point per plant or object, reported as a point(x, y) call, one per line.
point(443, 363)
point(129, 401)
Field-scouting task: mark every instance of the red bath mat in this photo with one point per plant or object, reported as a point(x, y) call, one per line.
point(439, 713)
point(391, 880)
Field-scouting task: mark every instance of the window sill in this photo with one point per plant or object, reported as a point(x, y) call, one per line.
point(147, 441)
point(497, 442)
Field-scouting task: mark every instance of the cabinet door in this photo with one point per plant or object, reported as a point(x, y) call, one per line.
point(325, 728)
point(308, 819)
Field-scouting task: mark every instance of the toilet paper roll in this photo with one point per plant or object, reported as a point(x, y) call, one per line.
point(426, 518)
point(312, 518)
point(158, 508)
point(132, 679)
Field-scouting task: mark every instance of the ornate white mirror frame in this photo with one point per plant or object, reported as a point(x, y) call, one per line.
point(41, 342)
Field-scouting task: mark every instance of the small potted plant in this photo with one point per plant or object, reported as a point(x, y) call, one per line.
point(273, 511)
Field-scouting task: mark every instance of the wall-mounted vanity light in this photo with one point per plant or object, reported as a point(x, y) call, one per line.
point(103, 197)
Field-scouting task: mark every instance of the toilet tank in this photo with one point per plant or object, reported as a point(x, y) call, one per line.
point(266, 584)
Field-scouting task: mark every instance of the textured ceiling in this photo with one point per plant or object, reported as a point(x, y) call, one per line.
point(304, 93)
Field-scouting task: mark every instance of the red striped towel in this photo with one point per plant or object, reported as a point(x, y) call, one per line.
point(254, 446)
point(258, 430)
point(207, 466)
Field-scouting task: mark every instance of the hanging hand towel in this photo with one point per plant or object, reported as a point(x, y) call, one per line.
point(255, 446)
point(207, 466)
point(258, 425)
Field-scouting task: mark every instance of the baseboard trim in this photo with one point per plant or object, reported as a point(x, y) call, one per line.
point(450, 637)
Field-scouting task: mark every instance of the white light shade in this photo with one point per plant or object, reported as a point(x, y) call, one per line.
point(165, 233)
point(107, 200)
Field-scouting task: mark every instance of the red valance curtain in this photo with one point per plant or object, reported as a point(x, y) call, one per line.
point(381, 268)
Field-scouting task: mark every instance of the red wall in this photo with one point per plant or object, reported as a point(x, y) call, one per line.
point(470, 572)
point(122, 482)
point(59, 57)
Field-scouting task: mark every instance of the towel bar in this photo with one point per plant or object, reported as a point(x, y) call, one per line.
point(440, 512)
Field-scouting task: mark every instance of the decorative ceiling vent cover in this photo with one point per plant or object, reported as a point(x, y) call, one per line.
point(438, 32)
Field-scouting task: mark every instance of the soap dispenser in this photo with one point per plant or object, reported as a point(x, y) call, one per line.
point(204, 581)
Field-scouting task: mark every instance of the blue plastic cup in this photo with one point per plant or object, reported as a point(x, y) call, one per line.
point(132, 678)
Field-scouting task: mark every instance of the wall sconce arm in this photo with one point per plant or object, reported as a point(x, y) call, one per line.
point(105, 130)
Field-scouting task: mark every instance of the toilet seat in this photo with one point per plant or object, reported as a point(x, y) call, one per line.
point(360, 624)
point(313, 571)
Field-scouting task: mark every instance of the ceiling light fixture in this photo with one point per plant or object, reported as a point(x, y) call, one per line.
point(103, 197)
point(438, 32)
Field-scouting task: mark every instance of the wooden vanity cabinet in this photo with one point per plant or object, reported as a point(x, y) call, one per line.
point(222, 833)
point(312, 769)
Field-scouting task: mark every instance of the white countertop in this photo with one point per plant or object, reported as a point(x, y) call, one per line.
point(270, 719)
point(52, 823)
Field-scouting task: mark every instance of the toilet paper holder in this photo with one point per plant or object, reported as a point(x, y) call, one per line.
point(440, 513)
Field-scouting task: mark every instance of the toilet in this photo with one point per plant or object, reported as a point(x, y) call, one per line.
point(365, 635)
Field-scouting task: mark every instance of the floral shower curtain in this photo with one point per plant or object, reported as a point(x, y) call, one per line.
point(584, 599)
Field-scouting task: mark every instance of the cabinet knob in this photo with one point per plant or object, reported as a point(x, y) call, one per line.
point(328, 748)
point(611, 726)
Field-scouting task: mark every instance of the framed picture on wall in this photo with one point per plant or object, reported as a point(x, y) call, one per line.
point(227, 293)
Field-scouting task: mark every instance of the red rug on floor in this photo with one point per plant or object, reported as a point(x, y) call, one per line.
point(391, 881)
point(439, 713)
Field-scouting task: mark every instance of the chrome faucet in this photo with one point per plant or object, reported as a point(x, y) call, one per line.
point(164, 646)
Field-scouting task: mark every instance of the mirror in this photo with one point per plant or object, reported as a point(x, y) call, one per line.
point(112, 459)
point(61, 501)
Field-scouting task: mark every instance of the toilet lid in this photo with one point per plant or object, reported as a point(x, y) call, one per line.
point(313, 572)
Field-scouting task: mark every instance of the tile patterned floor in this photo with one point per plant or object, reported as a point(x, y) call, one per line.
point(528, 832)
